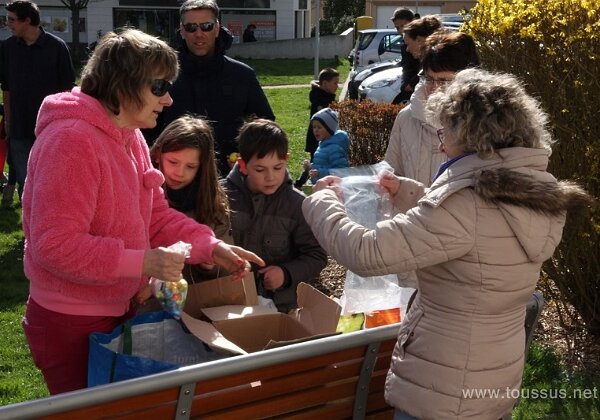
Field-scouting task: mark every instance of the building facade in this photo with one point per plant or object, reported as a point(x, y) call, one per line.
point(274, 19)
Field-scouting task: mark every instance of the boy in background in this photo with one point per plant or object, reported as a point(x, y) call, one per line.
point(333, 144)
point(322, 94)
point(266, 214)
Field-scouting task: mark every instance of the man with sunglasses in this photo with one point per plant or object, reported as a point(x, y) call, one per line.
point(210, 84)
point(34, 64)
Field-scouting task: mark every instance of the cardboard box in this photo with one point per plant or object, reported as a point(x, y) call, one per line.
point(248, 327)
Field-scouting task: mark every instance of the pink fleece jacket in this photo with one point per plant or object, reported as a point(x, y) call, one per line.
point(92, 205)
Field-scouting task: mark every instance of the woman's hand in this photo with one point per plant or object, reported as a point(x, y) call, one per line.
point(234, 259)
point(389, 182)
point(273, 277)
point(331, 183)
point(163, 263)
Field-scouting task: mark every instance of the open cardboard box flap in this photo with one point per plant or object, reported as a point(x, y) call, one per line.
point(240, 329)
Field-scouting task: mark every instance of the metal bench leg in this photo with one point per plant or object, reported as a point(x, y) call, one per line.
point(362, 388)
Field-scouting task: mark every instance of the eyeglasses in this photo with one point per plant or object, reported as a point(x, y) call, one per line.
point(441, 135)
point(160, 87)
point(435, 82)
point(193, 27)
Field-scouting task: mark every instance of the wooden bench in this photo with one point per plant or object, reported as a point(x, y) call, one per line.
point(335, 377)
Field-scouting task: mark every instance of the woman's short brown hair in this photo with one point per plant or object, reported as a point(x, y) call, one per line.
point(123, 64)
point(449, 51)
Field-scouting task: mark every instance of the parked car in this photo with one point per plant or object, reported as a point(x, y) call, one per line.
point(376, 45)
point(383, 86)
point(356, 78)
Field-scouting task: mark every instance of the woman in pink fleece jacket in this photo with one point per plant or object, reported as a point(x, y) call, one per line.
point(94, 215)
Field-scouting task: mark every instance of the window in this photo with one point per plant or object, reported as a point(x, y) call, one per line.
point(393, 43)
point(245, 4)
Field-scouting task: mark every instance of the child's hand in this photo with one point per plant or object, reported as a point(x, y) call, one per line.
point(143, 295)
point(234, 259)
point(273, 277)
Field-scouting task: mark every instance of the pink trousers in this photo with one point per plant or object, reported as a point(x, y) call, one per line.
point(59, 344)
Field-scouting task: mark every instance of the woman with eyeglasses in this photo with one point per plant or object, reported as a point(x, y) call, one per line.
point(477, 238)
point(413, 147)
point(94, 215)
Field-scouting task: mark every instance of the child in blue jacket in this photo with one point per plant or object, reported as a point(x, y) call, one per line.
point(333, 144)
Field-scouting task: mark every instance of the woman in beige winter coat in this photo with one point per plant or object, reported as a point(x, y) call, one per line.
point(413, 147)
point(477, 239)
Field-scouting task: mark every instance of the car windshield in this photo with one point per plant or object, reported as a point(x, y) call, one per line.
point(365, 40)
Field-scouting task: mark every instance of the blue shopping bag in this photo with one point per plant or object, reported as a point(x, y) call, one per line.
point(150, 343)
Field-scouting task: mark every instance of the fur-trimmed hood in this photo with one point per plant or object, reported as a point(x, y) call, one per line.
point(517, 182)
point(514, 188)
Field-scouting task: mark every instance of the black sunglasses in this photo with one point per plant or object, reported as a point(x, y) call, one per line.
point(193, 27)
point(160, 87)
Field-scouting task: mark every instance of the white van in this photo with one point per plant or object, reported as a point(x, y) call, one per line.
point(376, 45)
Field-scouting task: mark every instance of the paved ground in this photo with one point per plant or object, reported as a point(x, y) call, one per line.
point(341, 97)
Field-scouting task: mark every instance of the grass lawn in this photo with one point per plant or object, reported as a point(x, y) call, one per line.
point(293, 71)
point(20, 380)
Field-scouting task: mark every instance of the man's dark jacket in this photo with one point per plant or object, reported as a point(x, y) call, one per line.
point(222, 89)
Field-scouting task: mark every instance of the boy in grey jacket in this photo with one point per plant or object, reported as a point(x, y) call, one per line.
point(266, 214)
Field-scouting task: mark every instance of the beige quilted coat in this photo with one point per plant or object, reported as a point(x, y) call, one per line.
point(477, 239)
point(413, 147)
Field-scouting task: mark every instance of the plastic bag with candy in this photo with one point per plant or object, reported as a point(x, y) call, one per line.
point(172, 294)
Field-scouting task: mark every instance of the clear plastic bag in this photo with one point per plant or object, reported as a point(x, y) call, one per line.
point(172, 294)
point(367, 204)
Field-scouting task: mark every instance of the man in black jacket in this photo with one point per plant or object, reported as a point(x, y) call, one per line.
point(223, 90)
point(410, 65)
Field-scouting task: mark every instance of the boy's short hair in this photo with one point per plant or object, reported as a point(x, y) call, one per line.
point(327, 74)
point(259, 138)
